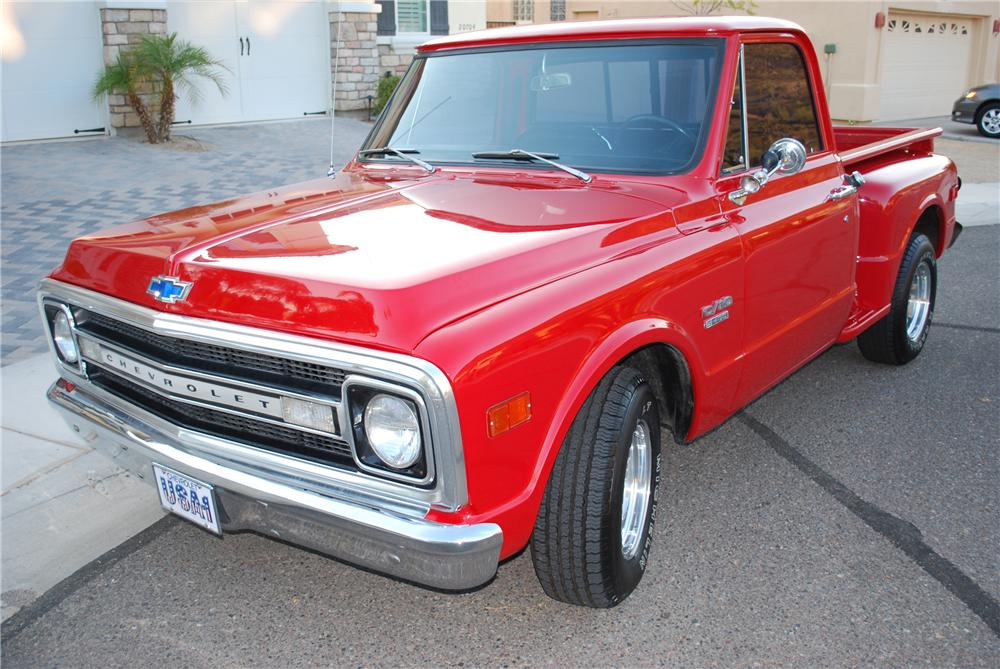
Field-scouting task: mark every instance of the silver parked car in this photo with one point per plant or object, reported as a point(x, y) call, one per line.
point(981, 107)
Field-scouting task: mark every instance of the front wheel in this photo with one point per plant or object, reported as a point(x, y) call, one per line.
point(900, 335)
point(592, 536)
point(988, 122)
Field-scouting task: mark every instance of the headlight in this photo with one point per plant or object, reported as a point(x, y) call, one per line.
point(393, 430)
point(62, 335)
point(970, 95)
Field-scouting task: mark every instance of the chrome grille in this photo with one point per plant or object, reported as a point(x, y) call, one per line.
point(226, 425)
point(256, 368)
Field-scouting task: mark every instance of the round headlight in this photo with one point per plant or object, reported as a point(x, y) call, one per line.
point(62, 335)
point(393, 430)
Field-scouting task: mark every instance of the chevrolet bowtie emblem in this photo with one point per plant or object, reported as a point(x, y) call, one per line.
point(169, 289)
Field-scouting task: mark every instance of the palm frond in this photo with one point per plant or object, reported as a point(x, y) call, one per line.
point(166, 62)
point(119, 77)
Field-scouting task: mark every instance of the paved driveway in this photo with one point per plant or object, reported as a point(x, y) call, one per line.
point(53, 192)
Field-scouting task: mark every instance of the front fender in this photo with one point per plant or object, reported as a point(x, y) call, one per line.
point(558, 340)
point(508, 474)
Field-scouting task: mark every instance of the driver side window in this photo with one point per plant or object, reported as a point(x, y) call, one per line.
point(772, 99)
point(779, 98)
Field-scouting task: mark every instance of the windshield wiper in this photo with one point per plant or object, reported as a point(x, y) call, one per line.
point(521, 154)
point(400, 153)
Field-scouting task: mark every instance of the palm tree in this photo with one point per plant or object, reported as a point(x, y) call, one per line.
point(124, 76)
point(174, 64)
point(164, 63)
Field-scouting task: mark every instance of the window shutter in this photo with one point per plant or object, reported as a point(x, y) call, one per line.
point(439, 17)
point(387, 19)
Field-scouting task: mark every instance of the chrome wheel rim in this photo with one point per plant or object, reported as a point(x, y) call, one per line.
point(638, 489)
point(919, 306)
point(991, 121)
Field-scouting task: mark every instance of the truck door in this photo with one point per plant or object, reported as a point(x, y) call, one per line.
point(799, 242)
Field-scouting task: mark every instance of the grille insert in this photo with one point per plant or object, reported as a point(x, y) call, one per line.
point(248, 366)
point(228, 426)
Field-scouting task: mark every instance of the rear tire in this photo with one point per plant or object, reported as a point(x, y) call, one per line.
point(592, 536)
point(988, 120)
point(899, 337)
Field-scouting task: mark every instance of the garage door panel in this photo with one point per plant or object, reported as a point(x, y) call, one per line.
point(280, 70)
point(285, 72)
point(213, 27)
point(50, 62)
point(925, 65)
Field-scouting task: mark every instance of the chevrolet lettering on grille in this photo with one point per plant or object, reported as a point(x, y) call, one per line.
point(182, 386)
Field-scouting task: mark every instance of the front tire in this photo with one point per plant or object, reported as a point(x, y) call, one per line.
point(592, 536)
point(988, 120)
point(899, 337)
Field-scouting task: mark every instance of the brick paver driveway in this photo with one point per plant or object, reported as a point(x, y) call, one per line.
point(54, 192)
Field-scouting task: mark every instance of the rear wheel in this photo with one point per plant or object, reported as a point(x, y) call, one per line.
point(900, 335)
point(595, 525)
point(988, 122)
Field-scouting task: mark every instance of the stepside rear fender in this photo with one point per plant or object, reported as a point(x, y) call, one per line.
point(900, 190)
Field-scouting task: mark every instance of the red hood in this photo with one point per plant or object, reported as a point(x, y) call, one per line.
point(377, 260)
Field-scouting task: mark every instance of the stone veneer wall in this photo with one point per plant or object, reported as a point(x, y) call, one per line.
point(390, 61)
point(123, 28)
point(358, 71)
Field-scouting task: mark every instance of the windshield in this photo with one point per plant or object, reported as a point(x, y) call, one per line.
point(632, 108)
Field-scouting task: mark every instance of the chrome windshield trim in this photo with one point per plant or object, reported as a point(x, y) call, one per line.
point(449, 492)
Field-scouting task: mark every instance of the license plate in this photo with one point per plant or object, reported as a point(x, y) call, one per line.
point(188, 498)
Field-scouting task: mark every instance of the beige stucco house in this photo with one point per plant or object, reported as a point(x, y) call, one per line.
point(887, 61)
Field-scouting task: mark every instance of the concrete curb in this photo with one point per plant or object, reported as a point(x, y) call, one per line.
point(62, 504)
point(978, 204)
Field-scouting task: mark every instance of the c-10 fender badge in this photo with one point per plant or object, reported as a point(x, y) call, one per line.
point(716, 312)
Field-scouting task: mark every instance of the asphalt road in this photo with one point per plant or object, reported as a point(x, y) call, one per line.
point(848, 518)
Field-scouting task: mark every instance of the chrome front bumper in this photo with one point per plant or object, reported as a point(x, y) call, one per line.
point(450, 557)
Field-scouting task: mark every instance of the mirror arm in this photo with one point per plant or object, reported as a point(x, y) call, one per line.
point(759, 178)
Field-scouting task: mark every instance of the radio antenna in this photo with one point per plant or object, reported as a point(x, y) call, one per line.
point(333, 92)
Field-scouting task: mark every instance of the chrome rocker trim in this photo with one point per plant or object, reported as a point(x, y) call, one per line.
point(450, 557)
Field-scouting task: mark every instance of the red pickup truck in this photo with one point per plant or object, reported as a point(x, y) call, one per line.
point(557, 244)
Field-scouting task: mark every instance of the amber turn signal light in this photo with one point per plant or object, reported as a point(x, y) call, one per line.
point(508, 414)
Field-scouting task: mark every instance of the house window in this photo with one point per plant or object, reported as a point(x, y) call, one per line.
point(557, 10)
point(411, 16)
point(524, 10)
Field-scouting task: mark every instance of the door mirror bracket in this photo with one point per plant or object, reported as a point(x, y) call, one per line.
point(786, 156)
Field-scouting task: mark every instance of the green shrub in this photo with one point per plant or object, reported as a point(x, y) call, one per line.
point(386, 85)
point(165, 64)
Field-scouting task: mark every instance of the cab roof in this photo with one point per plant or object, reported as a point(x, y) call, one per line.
point(613, 29)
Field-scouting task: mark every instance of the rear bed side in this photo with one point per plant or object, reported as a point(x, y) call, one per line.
point(906, 185)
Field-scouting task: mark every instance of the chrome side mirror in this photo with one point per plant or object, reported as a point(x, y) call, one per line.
point(791, 155)
point(786, 156)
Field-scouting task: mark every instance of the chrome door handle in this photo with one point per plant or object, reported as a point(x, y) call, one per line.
point(840, 192)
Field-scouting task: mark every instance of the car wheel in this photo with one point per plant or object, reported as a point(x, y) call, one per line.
point(900, 335)
point(591, 541)
point(988, 120)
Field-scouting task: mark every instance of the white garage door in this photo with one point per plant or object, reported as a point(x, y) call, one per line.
point(925, 64)
point(51, 55)
point(277, 52)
